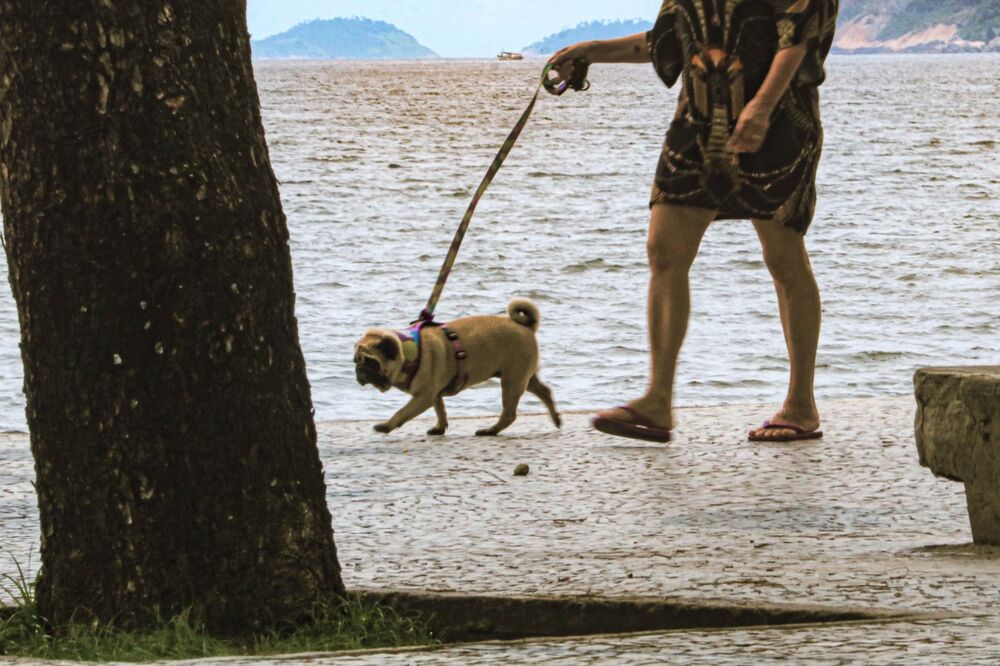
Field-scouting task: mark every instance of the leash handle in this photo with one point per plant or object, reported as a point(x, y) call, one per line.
point(577, 82)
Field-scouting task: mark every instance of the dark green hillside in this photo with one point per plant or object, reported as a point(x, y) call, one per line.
point(588, 31)
point(342, 38)
point(850, 9)
point(974, 17)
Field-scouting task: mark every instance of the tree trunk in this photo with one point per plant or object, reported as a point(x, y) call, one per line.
point(170, 414)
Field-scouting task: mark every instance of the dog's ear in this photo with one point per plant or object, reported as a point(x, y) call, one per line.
point(388, 347)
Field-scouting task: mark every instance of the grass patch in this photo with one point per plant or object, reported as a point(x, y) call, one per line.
point(353, 624)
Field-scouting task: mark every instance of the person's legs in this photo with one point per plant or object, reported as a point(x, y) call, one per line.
point(675, 233)
point(786, 258)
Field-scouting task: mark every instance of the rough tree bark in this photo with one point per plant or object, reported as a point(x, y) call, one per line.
point(170, 414)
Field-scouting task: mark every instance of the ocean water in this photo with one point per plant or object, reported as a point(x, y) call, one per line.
point(377, 162)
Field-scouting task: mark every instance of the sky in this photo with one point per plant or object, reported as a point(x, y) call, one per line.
point(453, 28)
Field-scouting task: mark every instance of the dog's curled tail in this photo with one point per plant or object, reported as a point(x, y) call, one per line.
point(524, 312)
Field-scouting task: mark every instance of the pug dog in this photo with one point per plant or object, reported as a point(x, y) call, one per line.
point(439, 361)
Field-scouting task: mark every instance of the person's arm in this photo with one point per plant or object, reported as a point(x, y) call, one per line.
point(624, 49)
point(755, 119)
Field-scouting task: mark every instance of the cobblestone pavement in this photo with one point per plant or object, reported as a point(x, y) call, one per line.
point(849, 520)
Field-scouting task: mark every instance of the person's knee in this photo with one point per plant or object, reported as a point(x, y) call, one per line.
point(788, 265)
point(666, 258)
point(674, 236)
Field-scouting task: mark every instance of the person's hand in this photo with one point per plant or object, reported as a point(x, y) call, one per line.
point(751, 128)
point(562, 60)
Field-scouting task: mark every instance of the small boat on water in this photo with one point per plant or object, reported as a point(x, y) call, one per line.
point(509, 55)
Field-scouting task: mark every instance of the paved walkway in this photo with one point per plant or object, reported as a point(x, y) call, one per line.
point(849, 520)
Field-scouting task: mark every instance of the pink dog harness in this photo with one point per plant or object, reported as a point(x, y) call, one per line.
point(410, 339)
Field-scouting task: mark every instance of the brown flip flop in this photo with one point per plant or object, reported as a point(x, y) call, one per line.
point(639, 428)
point(799, 433)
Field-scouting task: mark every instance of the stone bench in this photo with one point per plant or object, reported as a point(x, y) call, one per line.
point(958, 437)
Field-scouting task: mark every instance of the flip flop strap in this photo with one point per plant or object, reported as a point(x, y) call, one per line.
point(798, 430)
point(640, 420)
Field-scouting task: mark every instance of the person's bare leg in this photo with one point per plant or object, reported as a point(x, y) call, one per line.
point(675, 233)
point(787, 259)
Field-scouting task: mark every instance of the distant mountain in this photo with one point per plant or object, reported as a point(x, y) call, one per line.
point(342, 38)
point(917, 26)
point(587, 31)
point(863, 26)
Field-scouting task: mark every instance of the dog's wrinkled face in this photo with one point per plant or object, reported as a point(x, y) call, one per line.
point(377, 359)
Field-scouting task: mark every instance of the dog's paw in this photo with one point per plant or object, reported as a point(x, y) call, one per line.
point(383, 428)
point(437, 432)
point(486, 432)
point(558, 420)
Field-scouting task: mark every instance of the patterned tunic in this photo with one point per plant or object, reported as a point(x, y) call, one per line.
point(724, 50)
